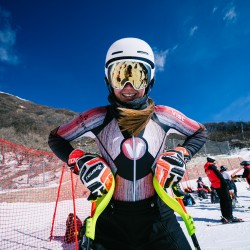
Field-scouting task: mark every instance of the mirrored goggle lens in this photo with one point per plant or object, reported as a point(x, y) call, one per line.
point(136, 73)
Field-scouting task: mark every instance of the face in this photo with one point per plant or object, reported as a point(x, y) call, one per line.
point(128, 93)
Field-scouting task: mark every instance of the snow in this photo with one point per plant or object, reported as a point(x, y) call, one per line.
point(233, 236)
point(14, 96)
point(33, 224)
point(35, 234)
point(227, 237)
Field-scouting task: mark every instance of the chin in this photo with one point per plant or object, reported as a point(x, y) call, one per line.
point(128, 99)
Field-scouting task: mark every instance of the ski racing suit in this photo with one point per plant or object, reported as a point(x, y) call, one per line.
point(135, 218)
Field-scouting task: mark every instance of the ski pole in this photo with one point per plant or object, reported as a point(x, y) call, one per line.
point(92, 212)
point(173, 204)
point(182, 204)
point(57, 199)
point(97, 208)
point(193, 236)
point(101, 204)
point(235, 172)
point(74, 208)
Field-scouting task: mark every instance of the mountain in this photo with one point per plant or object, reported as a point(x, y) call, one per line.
point(29, 124)
point(237, 133)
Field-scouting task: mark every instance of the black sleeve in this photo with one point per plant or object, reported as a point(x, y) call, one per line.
point(60, 147)
point(196, 141)
point(245, 173)
point(218, 173)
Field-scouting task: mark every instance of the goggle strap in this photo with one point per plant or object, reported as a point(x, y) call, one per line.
point(130, 57)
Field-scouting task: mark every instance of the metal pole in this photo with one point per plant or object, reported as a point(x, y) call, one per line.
point(228, 145)
point(43, 163)
point(205, 149)
point(242, 131)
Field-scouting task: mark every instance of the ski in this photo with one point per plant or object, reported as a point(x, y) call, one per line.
point(239, 206)
point(228, 223)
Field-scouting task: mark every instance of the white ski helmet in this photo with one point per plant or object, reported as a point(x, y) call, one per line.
point(131, 49)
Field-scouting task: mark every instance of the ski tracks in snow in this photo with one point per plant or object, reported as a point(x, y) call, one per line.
point(234, 236)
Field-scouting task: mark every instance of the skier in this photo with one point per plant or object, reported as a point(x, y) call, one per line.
point(246, 172)
point(131, 133)
point(230, 183)
point(219, 184)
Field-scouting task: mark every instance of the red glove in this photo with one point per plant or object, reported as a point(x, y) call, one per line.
point(170, 168)
point(73, 157)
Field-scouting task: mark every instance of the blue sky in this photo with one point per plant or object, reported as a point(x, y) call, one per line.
point(53, 52)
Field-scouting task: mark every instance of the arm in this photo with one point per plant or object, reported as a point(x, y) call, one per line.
point(94, 172)
point(60, 138)
point(61, 147)
point(195, 142)
point(245, 173)
point(174, 121)
point(171, 165)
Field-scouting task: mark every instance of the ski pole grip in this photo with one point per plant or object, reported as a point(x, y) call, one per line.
point(101, 204)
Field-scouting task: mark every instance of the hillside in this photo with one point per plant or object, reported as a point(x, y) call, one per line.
point(27, 123)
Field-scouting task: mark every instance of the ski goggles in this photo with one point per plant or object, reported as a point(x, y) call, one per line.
point(136, 73)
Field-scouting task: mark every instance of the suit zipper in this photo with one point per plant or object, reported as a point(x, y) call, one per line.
point(134, 167)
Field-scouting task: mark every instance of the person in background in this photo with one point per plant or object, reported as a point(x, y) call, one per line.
point(230, 183)
point(234, 180)
point(186, 197)
point(219, 184)
point(131, 134)
point(214, 196)
point(188, 190)
point(202, 189)
point(246, 172)
point(188, 200)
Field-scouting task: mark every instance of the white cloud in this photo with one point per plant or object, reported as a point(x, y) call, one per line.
point(230, 15)
point(193, 30)
point(239, 110)
point(7, 39)
point(160, 59)
point(214, 9)
point(175, 47)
